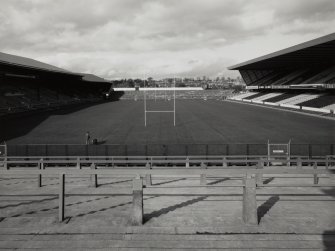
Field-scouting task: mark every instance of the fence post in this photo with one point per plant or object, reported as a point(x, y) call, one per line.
point(187, 163)
point(327, 162)
point(93, 177)
point(249, 200)
point(203, 177)
point(39, 177)
point(315, 176)
point(78, 163)
point(224, 162)
point(299, 163)
point(148, 180)
point(137, 210)
point(5, 164)
point(61, 199)
point(259, 176)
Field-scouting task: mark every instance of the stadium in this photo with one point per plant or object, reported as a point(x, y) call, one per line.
point(160, 159)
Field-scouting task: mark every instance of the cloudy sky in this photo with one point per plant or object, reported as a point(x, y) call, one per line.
point(159, 38)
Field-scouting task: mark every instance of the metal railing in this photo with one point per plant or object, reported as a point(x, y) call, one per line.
point(168, 161)
point(162, 149)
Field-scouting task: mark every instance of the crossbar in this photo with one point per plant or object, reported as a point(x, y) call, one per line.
point(159, 111)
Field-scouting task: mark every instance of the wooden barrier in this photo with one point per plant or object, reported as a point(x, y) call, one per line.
point(259, 176)
point(224, 162)
point(203, 177)
point(78, 163)
point(315, 176)
point(39, 177)
point(249, 201)
point(5, 164)
point(299, 163)
point(148, 179)
point(93, 177)
point(249, 185)
point(187, 161)
point(61, 201)
point(137, 207)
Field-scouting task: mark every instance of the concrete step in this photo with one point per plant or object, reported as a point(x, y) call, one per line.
point(149, 243)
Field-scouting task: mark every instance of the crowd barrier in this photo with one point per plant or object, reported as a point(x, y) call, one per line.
point(251, 177)
point(163, 150)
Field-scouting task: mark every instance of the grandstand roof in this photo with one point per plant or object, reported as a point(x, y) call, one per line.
point(93, 78)
point(320, 50)
point(30, 63)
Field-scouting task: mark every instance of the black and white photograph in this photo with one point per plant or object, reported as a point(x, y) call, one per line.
point(167, 125)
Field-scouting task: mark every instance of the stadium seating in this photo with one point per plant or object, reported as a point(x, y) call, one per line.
point(256, 95)
point(322, 77)
point(302, 100)
point(242, 96)
point(331, 81)
point(267, 96)
point(16, 98)
point(280, 97)
point(298, 99)
point(330, 107)
point(320, 102)
point(289, 77)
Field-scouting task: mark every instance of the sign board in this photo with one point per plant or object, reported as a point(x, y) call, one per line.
point(278, 152)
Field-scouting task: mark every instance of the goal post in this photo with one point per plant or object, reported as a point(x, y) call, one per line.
point(173, 111)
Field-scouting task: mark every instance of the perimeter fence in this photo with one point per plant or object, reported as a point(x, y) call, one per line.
point(163, 150)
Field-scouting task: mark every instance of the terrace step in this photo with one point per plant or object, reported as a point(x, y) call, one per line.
point(167, 241)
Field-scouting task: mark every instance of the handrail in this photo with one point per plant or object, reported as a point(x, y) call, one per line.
point(169, 171)
point(190, 157)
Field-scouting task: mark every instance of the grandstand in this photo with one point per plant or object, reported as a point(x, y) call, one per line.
point(183, 93)
point(300, 77)
point(27, 84)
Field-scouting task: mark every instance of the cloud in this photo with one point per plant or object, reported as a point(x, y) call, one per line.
point(132, 38)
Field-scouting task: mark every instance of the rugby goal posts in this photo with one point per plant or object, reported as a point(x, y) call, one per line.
point(165, 98)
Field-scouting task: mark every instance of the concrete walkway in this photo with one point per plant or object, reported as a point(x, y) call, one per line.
point(178, 215)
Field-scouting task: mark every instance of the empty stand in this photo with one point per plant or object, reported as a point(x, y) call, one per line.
point(320, 102)
point(289, 77)
point(266, 96)
point(329, 107)
point(258, 94)
point(296, 99)
point(304, 98)
point(280, 97)
point(322, 77)
point(243, 95)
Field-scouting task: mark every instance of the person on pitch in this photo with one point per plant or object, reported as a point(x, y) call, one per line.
point(88, 137)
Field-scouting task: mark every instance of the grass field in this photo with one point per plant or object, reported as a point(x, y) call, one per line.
point(197, 121)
